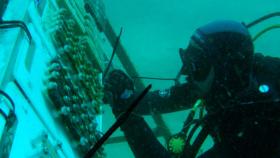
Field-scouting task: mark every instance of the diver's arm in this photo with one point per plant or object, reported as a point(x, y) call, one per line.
point(119, 93)
point(179, 97)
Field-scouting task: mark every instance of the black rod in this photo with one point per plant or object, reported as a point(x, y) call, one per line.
point(113, 54)
point(121, 119)
point(153, 78)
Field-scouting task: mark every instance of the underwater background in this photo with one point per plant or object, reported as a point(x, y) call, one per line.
point(154, 30)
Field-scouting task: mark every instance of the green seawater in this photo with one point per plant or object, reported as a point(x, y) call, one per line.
point(154, 30)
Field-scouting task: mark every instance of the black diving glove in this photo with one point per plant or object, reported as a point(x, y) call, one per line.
point(118, 89)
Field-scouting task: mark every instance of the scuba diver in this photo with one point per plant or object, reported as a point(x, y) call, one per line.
point(240, 91)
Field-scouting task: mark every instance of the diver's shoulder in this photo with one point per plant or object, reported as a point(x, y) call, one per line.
point(260, 58)
point(266, 64)
point(266, 69)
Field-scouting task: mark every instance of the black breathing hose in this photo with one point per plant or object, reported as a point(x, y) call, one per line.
point(263, 18)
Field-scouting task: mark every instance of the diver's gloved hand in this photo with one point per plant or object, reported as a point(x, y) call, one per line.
point(118, 89)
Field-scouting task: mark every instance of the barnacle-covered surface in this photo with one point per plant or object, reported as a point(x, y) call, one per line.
point(74, 78)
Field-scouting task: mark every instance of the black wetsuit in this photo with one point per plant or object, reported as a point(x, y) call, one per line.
point(244, 125)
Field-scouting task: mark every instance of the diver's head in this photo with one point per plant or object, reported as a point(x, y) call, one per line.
point(221, 48)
